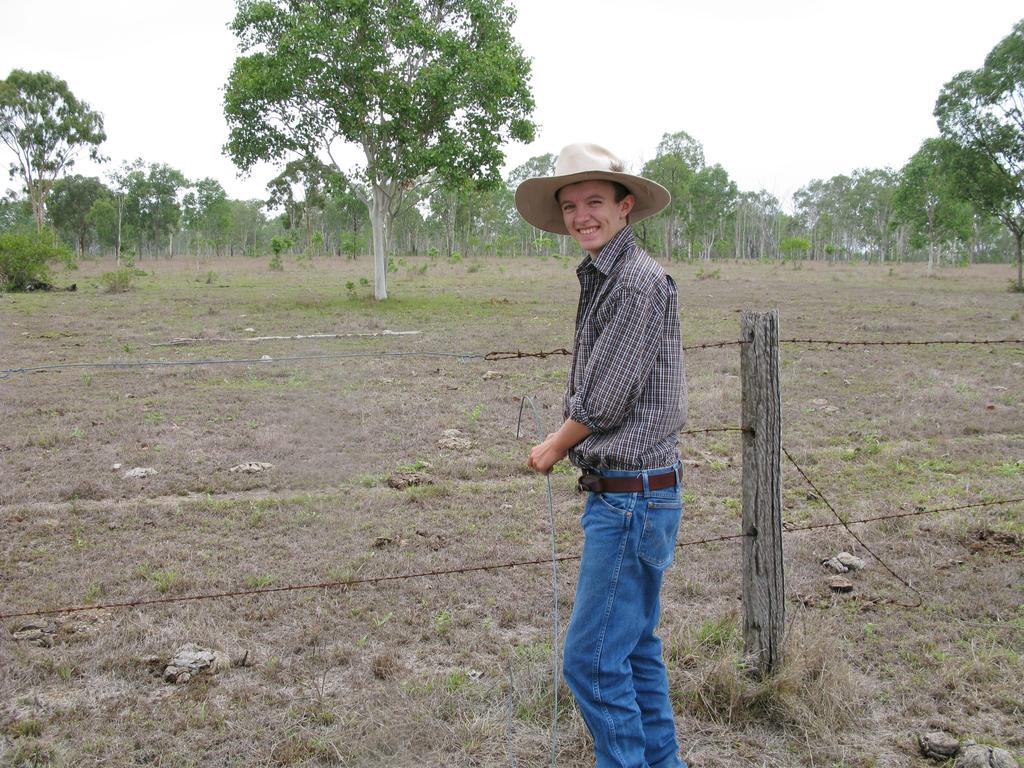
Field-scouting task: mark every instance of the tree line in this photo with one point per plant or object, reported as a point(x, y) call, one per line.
point(450, 89)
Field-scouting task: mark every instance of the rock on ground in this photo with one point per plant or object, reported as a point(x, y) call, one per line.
point(839, 584)
point(852, 562)
point(938, 745)
point(453, 440)
point(983, 756)
point(138, 472)
point(251, 467)
point(402, 480)
point(36, 632)
point(844, 562)
point(191, 659)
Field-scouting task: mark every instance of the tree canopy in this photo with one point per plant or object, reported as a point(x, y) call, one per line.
point(424, 88)
point(982, 112)
point(45, 125)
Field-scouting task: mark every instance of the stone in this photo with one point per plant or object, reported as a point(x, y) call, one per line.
point(401, 480)
point(835, 564)
point(454, 440)
point(139, 472)
point(852, 562)
point(938, 745)
point(191, 659)
point(251, 467)
point(36, 632)
point(984, 756)
point(840, 584)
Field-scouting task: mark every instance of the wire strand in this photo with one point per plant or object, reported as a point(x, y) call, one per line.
point(859, 540)
point(555, 677)
point(349, 583)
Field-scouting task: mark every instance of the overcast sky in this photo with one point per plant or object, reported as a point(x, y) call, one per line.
point(778, 92)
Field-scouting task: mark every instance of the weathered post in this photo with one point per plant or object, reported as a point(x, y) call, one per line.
point(764, 606)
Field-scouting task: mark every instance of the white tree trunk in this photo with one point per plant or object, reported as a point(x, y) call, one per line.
point(377, 223)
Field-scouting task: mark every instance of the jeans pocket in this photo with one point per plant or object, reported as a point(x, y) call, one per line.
point(623, 503)
point(661, 526)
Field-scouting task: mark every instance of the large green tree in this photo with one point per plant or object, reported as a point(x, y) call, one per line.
point(71, 204)
point(45, 125)
point(207, 214)
point(677, 161)
point(423, 87)
point(712, 200)
point(982, 111)
point(927, 201)
point(151, 203)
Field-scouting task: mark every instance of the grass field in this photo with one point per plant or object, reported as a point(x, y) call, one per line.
point(455, 670)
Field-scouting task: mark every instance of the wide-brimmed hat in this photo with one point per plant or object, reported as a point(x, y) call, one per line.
point(536, 201)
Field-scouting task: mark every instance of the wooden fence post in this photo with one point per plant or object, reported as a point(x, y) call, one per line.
point(764, 606)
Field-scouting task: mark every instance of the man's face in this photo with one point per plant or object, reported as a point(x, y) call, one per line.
point(591, 214)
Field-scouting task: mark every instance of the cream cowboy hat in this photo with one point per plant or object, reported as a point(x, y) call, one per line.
point(536, 201)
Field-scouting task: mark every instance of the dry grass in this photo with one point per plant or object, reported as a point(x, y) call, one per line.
point(423, 672)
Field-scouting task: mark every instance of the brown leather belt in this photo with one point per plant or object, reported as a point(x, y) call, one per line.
point(601, 484)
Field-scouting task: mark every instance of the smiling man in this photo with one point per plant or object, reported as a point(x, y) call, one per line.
point(624, 406)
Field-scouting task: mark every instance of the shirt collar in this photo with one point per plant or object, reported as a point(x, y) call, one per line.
point(610, 252)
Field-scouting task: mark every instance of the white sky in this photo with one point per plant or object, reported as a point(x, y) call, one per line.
point(778, 92)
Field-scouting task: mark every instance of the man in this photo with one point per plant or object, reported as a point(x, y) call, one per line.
point(624, 405)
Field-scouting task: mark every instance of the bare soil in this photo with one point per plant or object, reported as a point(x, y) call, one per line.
point(455, 670)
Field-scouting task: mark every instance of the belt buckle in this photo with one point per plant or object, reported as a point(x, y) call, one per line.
point(588, 482)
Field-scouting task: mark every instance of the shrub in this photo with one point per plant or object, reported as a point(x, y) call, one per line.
point(119, 281)
point(25, 258)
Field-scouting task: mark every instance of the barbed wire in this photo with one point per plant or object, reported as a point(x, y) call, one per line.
point(904, 582)
point(713, 345)
point(519, 354)
point(901, 515)
point(493, 356)
point(265, 359)
point(906, 343)
point(346, 584)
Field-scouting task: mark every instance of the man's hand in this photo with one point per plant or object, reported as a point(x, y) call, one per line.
point(544, 456)
point(556, 445)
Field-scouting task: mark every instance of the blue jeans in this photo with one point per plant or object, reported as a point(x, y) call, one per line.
point(612, 660)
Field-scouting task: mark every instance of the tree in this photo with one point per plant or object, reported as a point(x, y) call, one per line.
point(678, 160)
point(208, 214)
point(869, 205)
point(927, 201)
point(982, 111)
point(314, 179)
point(152, 210)
point(15, 212)
point(25, 258)
point(539, 165)
point(346, 209)
point(70, 204)
point(712, 200)
point(758, 223)
point(45, 125)
point(423, 87)
point(248, 223)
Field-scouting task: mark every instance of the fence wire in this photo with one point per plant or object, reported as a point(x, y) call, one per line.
point(493, 356)
point(346, 584)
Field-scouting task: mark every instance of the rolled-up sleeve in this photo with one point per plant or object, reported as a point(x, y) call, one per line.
point(621, 359)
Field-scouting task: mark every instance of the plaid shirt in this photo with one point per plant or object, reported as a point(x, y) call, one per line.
point(627, 382)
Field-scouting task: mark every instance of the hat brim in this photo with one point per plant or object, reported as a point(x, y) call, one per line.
point(536, 201)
